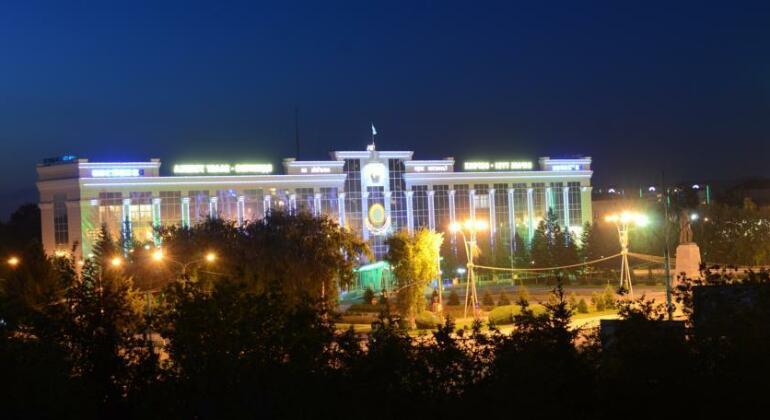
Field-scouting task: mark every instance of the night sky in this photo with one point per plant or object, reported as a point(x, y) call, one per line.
point(675, 86)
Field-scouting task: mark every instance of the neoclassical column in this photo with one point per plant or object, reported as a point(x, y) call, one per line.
point(125, 227)
point(156, 222)
point(451, 206)
point(549, 202)
point(241, 209)
point(186, 212)
point(431, 210)
point(492, 216)
point(292, 203)
point(317, 204)
point(213, 207)
point(565, 200)
point(530, 214)
point(266, 204)
point(511, 215)
point(472, 204)
point(409, 213)
point(364, 214)
point(341, 208)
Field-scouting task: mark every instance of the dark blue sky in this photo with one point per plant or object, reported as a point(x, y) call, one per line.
point(678, 86)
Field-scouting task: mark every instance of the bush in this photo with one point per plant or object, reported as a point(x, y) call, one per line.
point(454, 299)
point(609, 297)
point(597, 300)
point(359, 308)
point(503, 315)
point(427, 320)
point(572, 300)
point(368, 296)
point(503, 300)
point(582, 306)
point(522, 293)
point(650, 278)
point(486, 299)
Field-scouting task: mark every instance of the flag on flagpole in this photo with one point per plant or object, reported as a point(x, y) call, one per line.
point(374, 130)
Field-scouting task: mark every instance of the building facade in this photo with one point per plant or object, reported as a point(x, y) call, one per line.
point(370, 192)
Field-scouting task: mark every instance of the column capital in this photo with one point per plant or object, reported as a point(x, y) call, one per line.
point(511, 190)
point(452, 193)
point(409, 193)
point(491, 191)
point(365, 194)
point(431, 193)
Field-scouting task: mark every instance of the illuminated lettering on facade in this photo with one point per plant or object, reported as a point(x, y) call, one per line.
point(316, 170)
point(116, 172)
point(431, 168)
point(565, 167)
point(498, 166)
point(223, 168)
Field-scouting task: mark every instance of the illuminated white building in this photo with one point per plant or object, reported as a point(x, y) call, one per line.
point(373, 193)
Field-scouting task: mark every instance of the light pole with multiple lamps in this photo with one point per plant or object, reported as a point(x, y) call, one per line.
point(472, 226)
point(624, 221)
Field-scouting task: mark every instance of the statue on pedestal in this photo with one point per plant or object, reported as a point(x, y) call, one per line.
point(687, 253)
point(685, 228)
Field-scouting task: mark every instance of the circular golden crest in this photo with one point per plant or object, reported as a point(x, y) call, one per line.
point(377, 215)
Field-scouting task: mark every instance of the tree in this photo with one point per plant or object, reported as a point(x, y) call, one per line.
point(300, 255)
point(105, 325)
point(521, 257)
point(413, 260)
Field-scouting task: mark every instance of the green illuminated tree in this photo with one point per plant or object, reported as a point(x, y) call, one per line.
point(414, 261)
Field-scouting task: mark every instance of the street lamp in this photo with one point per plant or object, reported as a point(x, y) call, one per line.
point(623, 221)
point(13, 262)
point(116, 261)
point(472, 226)
point(158, 256)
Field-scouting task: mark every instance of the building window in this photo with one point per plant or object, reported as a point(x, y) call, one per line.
point(397, 197)
point(575, 204)
point(111, 213)
point(462, 206)
point(441, 207)
point(520, 213)
point(352, 169)
point(253, 205)
point(170, 207)
point(199, 206)
point(557, 201)
point(538, 201)
point(502, 225)
point(329, 203)
point(227, 205)
point(305, 200)
point(60, 225)
point(420, 209)
point(141, 216)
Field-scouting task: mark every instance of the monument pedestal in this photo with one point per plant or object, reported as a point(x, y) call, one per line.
point(687, 260)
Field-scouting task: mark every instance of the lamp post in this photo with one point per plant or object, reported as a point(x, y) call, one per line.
point(472, 226)
point(159, 256)
point(623, 221)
